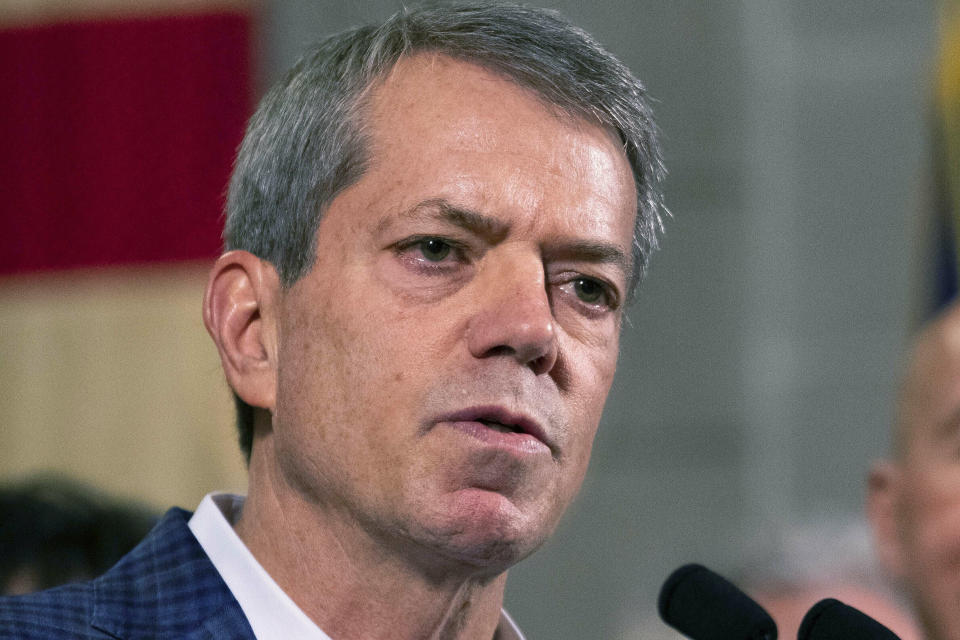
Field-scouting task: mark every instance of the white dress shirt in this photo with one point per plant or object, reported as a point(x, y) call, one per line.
point(269, 610)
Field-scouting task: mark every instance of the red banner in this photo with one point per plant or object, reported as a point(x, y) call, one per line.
point(117, 138)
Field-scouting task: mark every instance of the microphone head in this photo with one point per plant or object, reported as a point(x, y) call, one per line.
point(831, 619)
point(705, 606)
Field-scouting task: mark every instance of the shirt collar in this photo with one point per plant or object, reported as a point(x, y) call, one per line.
point(269, 610)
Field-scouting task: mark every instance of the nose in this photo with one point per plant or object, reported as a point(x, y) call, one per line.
point(513, 316)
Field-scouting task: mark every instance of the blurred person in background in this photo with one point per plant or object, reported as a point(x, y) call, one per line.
point(54, 530)
point(914, 497)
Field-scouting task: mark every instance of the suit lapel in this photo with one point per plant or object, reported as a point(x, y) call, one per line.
point(167, 587)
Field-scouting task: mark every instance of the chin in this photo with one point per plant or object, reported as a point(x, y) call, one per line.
point(486, 531)
point(487, 554)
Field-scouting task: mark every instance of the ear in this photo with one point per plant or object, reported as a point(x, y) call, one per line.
point(239, 309)
point(884, 485)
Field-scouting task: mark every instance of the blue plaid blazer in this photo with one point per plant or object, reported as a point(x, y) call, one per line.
point(165, 588)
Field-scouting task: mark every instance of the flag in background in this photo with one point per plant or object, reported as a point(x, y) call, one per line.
point(119, 123)
point(946, 150)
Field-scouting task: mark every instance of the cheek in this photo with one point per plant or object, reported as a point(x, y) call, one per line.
point(932, 545)
point(933, 524)
point(593, 369)
point(588, 392)
point(356, 361)
point(345, 394)
point(327, 357)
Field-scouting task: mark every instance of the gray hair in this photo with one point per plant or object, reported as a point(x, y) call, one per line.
point(305, 143)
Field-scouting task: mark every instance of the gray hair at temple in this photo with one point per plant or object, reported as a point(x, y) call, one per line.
point(306, 142)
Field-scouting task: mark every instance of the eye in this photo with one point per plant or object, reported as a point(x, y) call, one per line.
point(432, 255)
point(589, 290)
point(592, 296)
point(434, 249)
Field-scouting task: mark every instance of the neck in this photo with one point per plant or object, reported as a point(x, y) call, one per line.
point(333, 570)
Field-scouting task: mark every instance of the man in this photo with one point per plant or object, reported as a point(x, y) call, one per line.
point(914, 500)
point(433, 227)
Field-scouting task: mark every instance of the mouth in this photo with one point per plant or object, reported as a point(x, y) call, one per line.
point(512, 427)
point(502, 428)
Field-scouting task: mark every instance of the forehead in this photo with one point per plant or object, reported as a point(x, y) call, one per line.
point(494, 140)
point(930, 396)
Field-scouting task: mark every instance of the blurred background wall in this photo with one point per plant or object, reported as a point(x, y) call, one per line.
point(760, 359)
point(118, 123)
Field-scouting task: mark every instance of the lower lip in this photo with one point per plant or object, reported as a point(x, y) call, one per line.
point(521, 443)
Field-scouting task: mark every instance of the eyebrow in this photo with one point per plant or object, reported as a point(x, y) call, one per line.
point(496, 230)
point(591, 251)
point(474, 221)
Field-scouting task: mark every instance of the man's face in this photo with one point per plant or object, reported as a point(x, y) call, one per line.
point(443, 366)
point(928, 500)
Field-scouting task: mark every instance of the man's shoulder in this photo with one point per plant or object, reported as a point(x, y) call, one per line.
point(165, 587)
point(54, 613)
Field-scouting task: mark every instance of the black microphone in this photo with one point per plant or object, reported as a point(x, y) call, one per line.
point(705, 606)
point(830, 619)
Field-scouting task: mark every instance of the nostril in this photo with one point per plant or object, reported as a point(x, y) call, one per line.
point(501, 350)
point(545, 363)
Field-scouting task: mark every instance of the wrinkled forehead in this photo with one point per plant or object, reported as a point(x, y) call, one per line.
point(435, 118)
